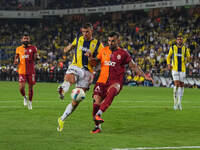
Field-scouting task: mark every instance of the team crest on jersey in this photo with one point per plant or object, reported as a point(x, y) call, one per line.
point(118, 57)
point(93, 45)
point(97, 89)
point(30, 50)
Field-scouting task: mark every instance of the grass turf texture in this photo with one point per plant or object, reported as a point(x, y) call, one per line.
point(138, 117)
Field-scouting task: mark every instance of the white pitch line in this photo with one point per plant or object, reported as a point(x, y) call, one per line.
point(144, 148)
point(122, 101)
point(125, 107)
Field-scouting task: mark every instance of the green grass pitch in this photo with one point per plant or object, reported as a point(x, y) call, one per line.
point(138, 117)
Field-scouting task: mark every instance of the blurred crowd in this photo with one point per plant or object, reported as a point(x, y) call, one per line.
point(67, 4)
point(146, 34)
point(62, 4)
point(19, 4)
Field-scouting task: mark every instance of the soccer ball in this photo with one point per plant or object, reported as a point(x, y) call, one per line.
point(77, 94)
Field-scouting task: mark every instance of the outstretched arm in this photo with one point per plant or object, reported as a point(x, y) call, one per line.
point(68, 48)
point(135, 68)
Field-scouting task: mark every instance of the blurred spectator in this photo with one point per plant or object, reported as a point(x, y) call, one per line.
point(148, 45)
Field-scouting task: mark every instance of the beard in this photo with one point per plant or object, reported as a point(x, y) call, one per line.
point(25, 43)
point(113, 48)
point(180, 44)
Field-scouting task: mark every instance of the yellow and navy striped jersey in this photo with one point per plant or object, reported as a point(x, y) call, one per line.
point(179, 57)
point(81, 47)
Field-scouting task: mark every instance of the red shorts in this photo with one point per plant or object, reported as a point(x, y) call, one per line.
point(29, 78)
point(100, 89)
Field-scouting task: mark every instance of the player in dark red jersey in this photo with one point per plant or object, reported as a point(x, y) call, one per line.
point(25, 57)
point(110, 82)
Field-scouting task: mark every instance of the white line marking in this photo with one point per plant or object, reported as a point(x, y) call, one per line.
point(144, 148)
point(122, 101)
point(125, 107)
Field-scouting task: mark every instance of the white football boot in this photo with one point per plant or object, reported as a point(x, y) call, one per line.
point(30, 105)
point(25, 101)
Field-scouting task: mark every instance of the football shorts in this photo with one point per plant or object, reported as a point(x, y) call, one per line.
point(178, 76)
point(83, 77)
point(29, 78)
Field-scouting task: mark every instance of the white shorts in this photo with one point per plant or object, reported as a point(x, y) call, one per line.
point(178, 76)
point(83, 77)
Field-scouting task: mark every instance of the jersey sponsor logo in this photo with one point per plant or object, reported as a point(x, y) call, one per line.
point(109, 63)
point(93, 45)
point(180, 55)
point(25, 56)
point(84, 49)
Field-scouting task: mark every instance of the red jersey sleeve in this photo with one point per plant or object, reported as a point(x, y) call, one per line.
point(127, 57)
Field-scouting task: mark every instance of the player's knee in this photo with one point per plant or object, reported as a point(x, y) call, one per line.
point(97, 99)
point(74, 103)
point(70, 78)
point(114, 89)
point(116, 86)
point(21, 87)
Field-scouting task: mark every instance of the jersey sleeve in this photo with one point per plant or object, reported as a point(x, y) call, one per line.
point(128, 57)
point(169, 55)
point(17, 51)
point(188, 54)
point(74, 42)
point(35, 49)
point(100, 47)
point(99, 55)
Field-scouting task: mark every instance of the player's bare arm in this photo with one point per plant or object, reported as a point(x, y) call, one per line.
point(16, 61)
point(93, 61)
point(68, 48)
point(135, 68)
point(169, 66)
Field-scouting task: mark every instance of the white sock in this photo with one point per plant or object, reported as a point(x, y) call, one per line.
point(179, 95)
point(69, 109)
point(98, 126)
point(65, 85)
point(100, 112)
point(182, 91)
point(175, 95)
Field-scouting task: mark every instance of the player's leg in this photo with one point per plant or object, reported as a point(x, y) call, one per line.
point(68, 111)
point(112, 91)
point(181, 89)
point(22, 81)
point(83, 78)
point(175, 94)
point(31, 81)
point(96, 105)
point(175, 77)
point(83, 81)
point(30, 94)
point(69, 79)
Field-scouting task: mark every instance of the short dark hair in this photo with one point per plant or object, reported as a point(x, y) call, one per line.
point(179, 36)
point(112, 34)
point(87, 25)
point(25, 34)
